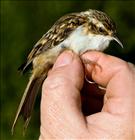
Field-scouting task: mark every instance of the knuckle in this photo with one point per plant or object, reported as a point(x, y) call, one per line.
point(124, 66)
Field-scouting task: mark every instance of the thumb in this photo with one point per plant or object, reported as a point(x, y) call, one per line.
point(60, 103)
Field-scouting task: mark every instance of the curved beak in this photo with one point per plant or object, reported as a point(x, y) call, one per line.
point(117, 40)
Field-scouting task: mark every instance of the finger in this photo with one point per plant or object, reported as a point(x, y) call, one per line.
point(60, 103)
point(118, 77)
point(104, 67)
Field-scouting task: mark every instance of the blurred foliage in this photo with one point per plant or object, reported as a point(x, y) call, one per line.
point(22, 24)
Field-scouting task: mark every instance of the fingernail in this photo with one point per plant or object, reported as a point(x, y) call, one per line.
point(64, 59)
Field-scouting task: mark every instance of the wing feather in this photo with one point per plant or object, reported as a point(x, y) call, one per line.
point(59, 32)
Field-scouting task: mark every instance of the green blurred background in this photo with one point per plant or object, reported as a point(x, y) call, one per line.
point(22, 24)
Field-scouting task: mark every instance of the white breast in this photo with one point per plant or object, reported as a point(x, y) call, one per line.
point(80, 42)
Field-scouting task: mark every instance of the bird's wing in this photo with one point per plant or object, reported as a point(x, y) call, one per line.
point(59, 32)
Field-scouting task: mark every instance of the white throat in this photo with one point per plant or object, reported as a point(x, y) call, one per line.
point(81, 42)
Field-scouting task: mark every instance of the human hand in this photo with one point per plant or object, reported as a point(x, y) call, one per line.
point(61, 114)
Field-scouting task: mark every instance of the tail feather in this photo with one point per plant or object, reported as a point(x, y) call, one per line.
point(25, 66)
point(27, 102)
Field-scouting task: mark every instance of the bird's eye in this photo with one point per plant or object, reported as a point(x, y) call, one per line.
point(101, 30)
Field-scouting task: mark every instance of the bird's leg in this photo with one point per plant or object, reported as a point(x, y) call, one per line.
point(92, 65)
point(89, 81)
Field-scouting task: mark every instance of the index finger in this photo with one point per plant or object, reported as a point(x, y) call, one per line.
point(106, 67)
point(117, 76)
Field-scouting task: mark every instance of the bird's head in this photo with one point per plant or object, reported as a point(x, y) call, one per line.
point(100, 25)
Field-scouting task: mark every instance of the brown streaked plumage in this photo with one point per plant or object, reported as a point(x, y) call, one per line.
point(80, 32)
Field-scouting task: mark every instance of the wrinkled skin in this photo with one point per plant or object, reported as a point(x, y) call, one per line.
point(61, 113)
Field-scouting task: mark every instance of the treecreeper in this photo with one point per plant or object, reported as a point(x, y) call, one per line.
point(80, 32)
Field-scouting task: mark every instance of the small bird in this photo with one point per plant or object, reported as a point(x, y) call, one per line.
point(79, 32)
